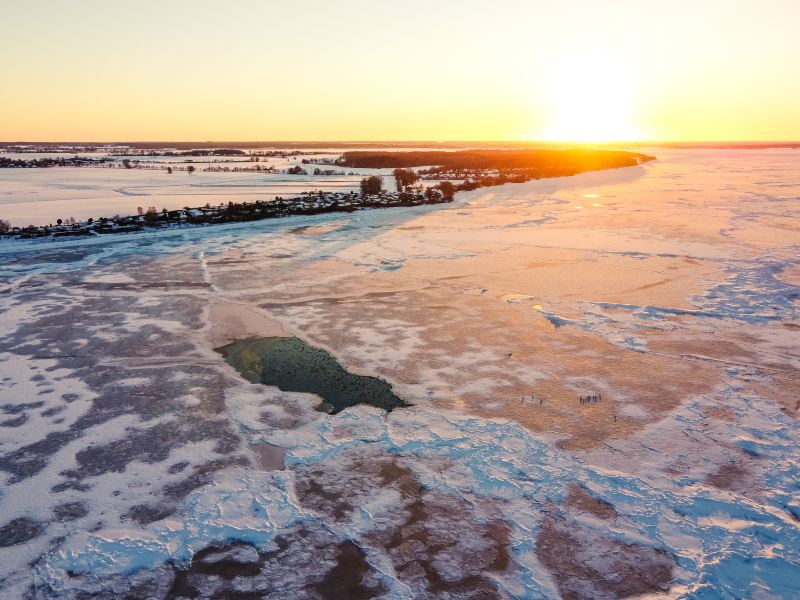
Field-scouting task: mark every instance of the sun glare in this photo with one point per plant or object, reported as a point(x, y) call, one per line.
point(591, 101)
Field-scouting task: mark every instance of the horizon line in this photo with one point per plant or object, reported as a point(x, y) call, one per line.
point(394, 141)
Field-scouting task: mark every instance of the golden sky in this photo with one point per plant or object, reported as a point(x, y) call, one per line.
point(411, 70)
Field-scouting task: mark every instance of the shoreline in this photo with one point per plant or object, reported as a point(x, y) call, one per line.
point(308, 204)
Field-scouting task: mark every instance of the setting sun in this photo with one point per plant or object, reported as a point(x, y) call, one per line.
point(590, 100)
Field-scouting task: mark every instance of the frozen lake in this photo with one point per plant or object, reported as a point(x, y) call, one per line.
point(668, 292)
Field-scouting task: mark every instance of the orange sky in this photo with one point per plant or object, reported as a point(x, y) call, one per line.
point(358, 70)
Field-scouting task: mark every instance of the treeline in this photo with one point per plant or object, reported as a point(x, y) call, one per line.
point(133, 152)
point(562, 161)
point(127, 163)
point(214, 152)
point(255, 169)
point(43, 163)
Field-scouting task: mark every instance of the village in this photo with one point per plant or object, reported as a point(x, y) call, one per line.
point(309, 203)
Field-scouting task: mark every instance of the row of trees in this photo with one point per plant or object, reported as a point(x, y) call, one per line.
point(41, 163)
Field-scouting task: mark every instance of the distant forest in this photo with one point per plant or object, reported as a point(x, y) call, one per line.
point(566, 161)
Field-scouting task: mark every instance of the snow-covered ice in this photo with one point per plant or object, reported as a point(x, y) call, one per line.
point(672, 296)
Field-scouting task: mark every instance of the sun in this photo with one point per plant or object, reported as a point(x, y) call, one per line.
point(590, 100)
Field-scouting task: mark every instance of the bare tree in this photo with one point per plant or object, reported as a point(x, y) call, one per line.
point(404, 178)
point(448, 190)
point(372, 186)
